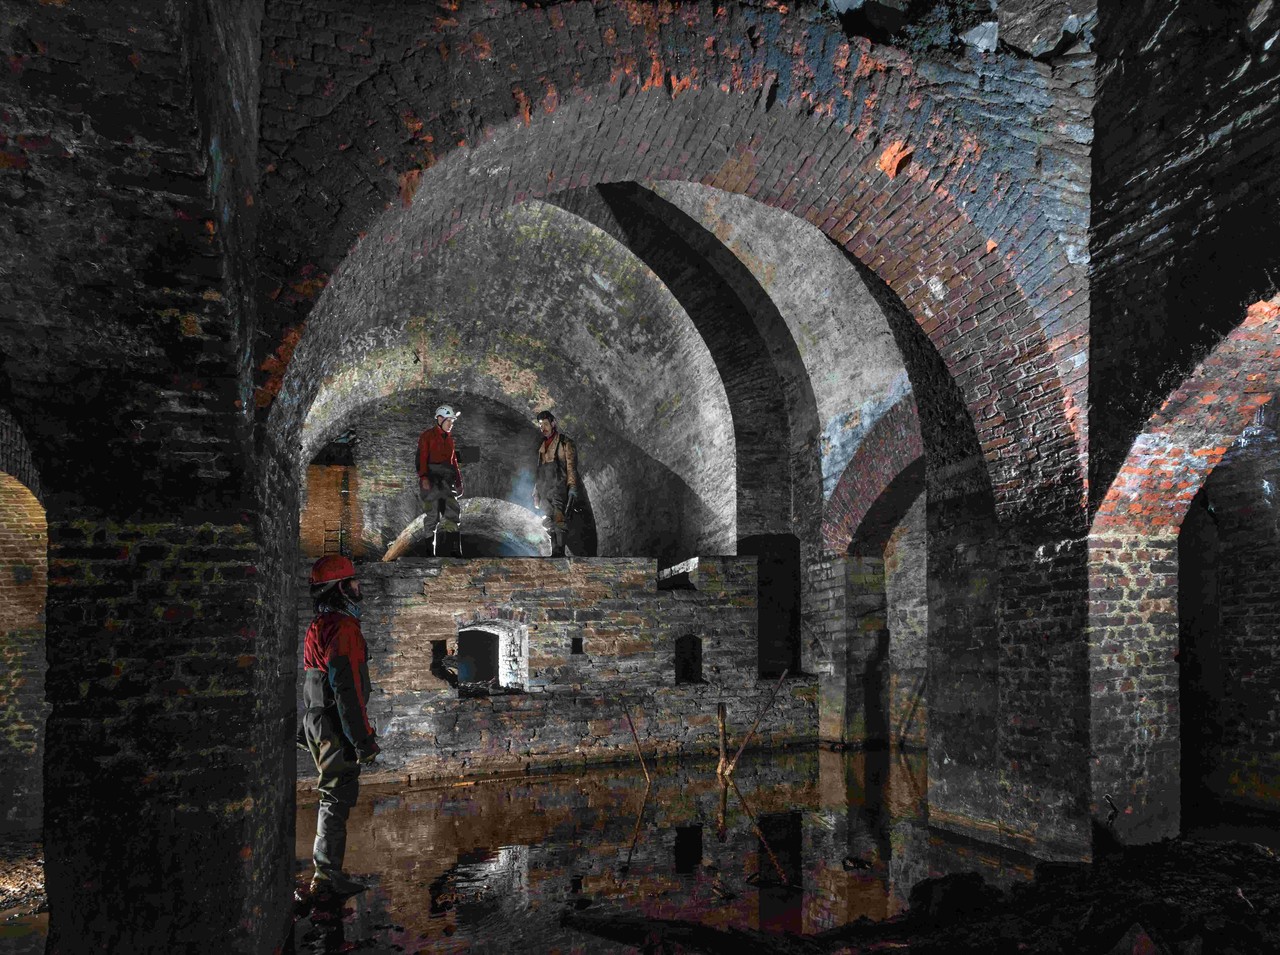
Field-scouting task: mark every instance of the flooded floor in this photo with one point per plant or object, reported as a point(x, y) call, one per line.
point(802, 842)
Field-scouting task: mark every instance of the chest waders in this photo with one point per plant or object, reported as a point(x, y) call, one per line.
point(553, 491)
point(339, 774)
point(440, 508)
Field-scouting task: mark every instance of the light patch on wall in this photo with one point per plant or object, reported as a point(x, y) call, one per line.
point(846, 431)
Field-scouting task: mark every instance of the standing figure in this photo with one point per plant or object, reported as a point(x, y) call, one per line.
point(440, 483)
point(335, 725)
point(556, 485)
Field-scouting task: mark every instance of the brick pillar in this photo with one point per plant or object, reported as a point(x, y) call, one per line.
point(166, 793)
point(907, 600)
point(825, 644)
point(1134, 718)
point(962, 660)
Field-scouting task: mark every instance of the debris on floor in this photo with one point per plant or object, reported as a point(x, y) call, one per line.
point(22, 876)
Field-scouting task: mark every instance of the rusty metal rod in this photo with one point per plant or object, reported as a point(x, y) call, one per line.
point(756, 724)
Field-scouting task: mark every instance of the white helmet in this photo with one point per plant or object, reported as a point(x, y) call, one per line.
point(444, 411)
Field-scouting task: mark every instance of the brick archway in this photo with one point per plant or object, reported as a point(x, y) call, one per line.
point(1133, 575)
point(24, 583)
point(15, 454)
point(891, 446)
point(951, 277)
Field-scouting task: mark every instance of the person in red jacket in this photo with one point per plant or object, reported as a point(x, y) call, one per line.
point(440, 482)
point(335, 723)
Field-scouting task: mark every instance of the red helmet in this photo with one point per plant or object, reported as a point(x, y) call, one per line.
point(332, 567)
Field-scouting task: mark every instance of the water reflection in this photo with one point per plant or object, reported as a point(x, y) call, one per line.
point(801, 842)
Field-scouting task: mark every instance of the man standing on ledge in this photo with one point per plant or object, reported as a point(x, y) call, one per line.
point(335, 725)
point(556, 485)
point(440, 482)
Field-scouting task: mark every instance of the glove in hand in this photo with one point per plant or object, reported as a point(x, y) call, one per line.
point(367, 751)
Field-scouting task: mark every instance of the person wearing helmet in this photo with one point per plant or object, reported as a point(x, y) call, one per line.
point(440, 483)
point(556, 484)
point(335, 725)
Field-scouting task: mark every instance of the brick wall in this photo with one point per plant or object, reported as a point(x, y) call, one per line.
point(24, 581)
point(127, 307)
point(331, 515)
point(571, 710)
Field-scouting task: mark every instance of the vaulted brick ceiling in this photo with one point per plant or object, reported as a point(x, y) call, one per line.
point(639, 317)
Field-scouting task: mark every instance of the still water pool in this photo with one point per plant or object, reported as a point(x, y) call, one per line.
point(803, 841)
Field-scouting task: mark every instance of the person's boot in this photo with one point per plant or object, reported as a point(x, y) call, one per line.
point(337, 886)
point(454, 541)
point(557, 545)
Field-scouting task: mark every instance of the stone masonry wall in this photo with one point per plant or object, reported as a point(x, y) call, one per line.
point(24, 581)
point(906, 566)
point(571, 710)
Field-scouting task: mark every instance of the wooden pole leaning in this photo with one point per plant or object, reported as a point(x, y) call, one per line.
point(635, 736)
point(724, 758)
point(728, 771)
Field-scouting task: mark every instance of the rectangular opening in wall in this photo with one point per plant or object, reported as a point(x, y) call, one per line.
point(688, 659)
point(575, 645)
point(778, 574)
point(476, 662)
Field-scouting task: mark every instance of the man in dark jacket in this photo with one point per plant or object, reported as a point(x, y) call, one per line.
point(556, 484)
point(440, 482)
point(335, 725)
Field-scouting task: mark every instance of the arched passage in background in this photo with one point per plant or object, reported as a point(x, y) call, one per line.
point(888, 617)
point(485, 326)
point(490, 528)
point(1134, 578)
point(24, 584)
point(1229, 630)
